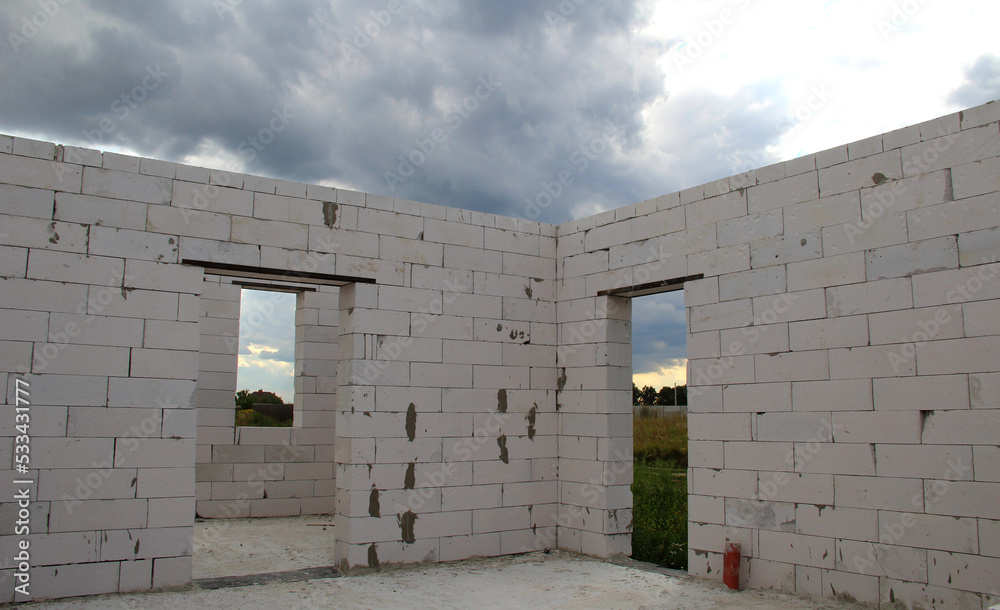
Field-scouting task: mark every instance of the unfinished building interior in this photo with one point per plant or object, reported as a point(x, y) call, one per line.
point(463, 379)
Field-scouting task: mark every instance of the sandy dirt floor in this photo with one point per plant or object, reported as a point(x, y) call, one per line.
point(536, 580)
point(236, 547)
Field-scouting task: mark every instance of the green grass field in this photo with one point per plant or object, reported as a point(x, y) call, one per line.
point(658, 439)
point(659, 491)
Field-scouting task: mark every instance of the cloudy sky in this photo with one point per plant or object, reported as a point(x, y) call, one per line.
point(267, 343)
point(635, 98)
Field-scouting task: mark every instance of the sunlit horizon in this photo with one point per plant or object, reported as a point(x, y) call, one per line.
point(674, 373)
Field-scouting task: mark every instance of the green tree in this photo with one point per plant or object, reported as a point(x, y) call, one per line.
point(243, 400)
point(665, 396)
point(647, 396)
point(682, 395)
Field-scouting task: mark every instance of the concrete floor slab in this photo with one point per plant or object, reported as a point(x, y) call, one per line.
point(536, 580)
point(238, 547)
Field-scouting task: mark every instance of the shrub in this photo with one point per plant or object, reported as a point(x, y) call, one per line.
point(249, 417)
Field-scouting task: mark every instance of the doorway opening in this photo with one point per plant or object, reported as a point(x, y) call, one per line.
point(659, 427)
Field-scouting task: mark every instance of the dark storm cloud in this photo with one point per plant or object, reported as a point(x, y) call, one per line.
point(659, 328)
point(982, 83)
point(66, 86)
point(479, 105)
point(364, 83)
point(386, 97)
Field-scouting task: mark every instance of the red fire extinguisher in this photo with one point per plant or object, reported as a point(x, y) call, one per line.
point(731, 566)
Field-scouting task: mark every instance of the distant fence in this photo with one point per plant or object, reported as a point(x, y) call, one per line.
point(657, 410)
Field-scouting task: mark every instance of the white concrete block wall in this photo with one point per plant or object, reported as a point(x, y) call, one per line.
point(595, 426)
point(836, 408)
point(446, 423)
point(99, 333)
point(475, 293)
point(842, 345)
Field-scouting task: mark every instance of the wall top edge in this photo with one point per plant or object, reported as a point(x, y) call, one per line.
point(970, 118)
point(89, 157)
